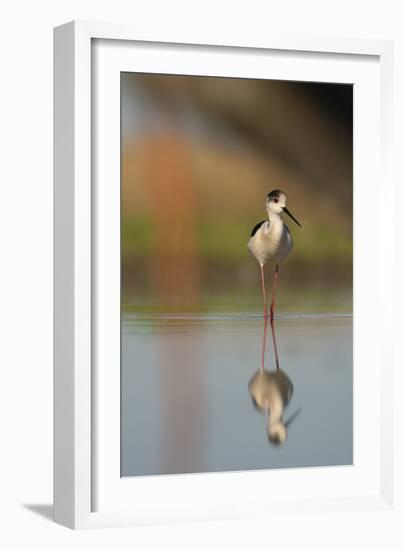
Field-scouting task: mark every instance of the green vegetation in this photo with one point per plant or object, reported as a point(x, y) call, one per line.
point(290, 299)
point(226, 241)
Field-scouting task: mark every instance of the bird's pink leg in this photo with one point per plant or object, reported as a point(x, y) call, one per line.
point(264, 342)
point(274, 292)
point(265, 315)
point(273, 332)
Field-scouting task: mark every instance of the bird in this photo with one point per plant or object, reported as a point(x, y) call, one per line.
point(271, 392)
point(271, 241)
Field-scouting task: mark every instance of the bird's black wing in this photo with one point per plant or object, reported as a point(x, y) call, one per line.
point(257, 227)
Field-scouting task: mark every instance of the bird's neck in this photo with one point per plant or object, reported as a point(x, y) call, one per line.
point(276, 409)
point(274, 217)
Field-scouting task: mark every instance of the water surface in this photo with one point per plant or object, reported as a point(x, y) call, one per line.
point(186, 406)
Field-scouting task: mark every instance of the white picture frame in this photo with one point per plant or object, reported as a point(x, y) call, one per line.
point(87, 491)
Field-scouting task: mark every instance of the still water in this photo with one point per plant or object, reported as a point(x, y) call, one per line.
point(196, 397)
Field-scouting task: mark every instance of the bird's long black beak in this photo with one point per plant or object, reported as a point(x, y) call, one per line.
point(292, 418)
point(285, 209)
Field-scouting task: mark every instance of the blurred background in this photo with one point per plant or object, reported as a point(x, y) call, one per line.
point(199, 155)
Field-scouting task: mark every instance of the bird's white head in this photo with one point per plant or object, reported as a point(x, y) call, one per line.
point(277, 432)
point(276, 205)
point(275, 202)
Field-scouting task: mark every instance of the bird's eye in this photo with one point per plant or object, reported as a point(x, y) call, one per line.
point(275, 200)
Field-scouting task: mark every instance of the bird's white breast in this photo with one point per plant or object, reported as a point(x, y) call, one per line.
point(271, 242)
point(271, 390)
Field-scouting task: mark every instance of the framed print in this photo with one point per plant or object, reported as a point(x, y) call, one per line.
point(218, 263)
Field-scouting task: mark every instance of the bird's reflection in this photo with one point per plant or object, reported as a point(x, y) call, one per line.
point(271, 391)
